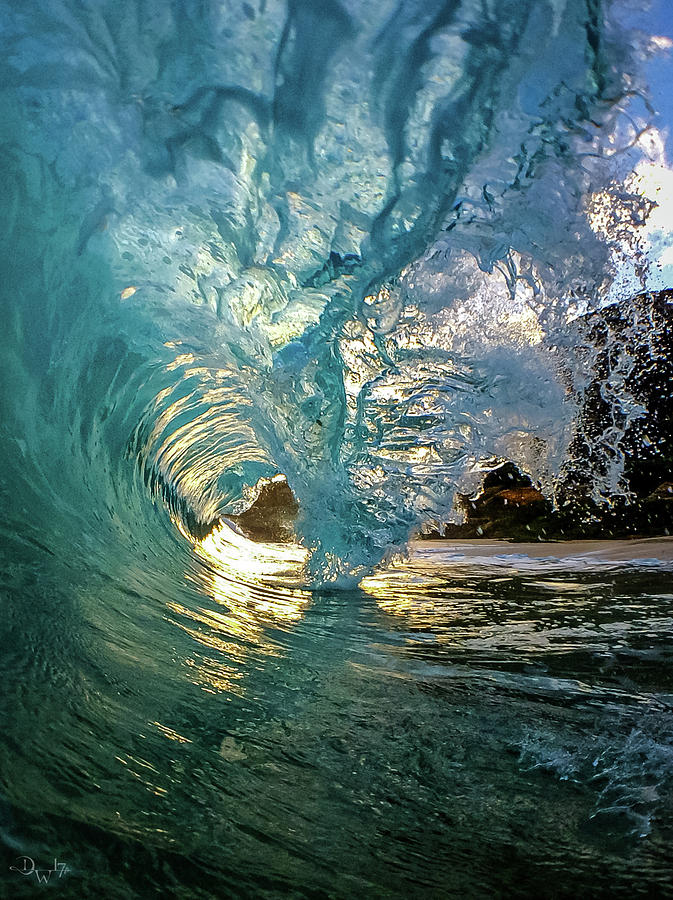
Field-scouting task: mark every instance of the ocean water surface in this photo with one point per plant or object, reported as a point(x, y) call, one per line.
point(348, 248)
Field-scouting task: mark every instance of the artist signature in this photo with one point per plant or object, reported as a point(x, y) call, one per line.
point(25, 866)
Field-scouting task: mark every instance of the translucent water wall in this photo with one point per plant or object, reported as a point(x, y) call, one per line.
point(345, 242)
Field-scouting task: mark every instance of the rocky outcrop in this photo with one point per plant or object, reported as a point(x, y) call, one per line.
point(507, 506)
point(510, 507)
point(629, 352)
point(271, 517)
point(629, 349)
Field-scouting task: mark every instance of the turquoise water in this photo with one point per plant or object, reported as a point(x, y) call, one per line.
point(348, 244)
point(452, 728)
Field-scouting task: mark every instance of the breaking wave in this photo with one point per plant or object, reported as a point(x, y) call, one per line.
point(345, 245)
point(280, 280)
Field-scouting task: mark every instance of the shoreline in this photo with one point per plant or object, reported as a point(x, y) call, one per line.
point(651, 549)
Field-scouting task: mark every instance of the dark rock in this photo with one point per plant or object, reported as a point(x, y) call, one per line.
point(663, 492)
point(508, 505)
point(271, 517)
point(633, 339)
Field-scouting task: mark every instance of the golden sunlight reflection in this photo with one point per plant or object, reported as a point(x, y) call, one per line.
point(397, 590)
point(258, 581)
point(193, 423)
point(257, 589)
point(425, 603)
point(170, 733)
